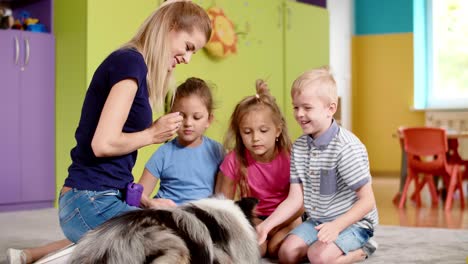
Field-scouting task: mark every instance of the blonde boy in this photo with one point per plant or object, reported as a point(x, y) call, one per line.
point(329, 176)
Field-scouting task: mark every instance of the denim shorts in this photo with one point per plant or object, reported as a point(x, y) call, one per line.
point(82, 210)
point(350, 239)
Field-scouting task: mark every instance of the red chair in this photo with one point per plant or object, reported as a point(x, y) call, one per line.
point(454, 157)
point(403, 170)
point(426, 148)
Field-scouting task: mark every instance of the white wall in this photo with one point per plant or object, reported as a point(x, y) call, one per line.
point(341, 30)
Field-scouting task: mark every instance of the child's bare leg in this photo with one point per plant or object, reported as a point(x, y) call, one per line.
point(320, 252)
point(357, 255)
point(292, 250)
point(34, 254)
point(330, 253)
point(263, 248)
point(275, 242)
point(278, 237)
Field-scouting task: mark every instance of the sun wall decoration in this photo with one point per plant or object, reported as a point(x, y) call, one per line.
point(223, 41)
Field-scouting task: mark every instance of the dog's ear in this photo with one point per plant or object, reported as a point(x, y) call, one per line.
point(247, 205)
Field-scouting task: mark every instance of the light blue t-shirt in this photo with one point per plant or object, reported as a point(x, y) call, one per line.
point(186, 173)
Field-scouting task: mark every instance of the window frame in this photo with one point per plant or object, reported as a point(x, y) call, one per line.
point(424, 64)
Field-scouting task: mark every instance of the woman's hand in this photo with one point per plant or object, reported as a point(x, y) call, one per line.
point(165, 127)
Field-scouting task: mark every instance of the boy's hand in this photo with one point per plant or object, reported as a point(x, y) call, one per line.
point(160, 202)
point(262, 233)
point(328, 232)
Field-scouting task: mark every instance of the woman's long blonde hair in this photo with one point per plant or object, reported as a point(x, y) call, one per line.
point(151, 41)
point(233, 139)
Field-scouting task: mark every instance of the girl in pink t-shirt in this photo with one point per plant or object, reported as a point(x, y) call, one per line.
point(258, 163)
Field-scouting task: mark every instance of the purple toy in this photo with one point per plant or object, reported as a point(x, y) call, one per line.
point(133, 196)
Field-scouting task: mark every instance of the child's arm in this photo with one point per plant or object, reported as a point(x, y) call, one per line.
point(366, 202)
point(225, 186)
point(289, 207)
point(149, 182)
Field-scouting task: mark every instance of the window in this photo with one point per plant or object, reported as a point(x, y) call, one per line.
point(441, 54)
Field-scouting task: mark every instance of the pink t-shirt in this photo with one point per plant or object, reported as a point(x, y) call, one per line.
point(268, 182)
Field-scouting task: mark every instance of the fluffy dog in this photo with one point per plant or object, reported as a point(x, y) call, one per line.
point(212, 230)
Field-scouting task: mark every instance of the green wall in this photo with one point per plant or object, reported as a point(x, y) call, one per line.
point(111, 23)
point(70, 78)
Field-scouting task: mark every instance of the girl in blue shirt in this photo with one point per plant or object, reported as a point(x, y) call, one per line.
point(186, 166)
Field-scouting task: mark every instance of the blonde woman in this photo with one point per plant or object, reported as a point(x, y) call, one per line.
point(116, 119)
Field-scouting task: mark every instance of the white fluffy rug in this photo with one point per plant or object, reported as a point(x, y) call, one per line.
point(420, 245)
point(404, 245)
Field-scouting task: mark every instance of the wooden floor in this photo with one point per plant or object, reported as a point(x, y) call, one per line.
point(385, 189)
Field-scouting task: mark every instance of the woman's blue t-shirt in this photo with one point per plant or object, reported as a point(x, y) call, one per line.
point(88, 172)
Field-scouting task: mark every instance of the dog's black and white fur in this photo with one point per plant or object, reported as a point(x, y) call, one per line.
point(212, 230)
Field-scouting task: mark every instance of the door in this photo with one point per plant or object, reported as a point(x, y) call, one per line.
point(37, 117)
point(306, 47)
point(9, 116)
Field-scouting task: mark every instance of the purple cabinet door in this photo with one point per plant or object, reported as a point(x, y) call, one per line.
point(37, 117)
point(9, 116)
point(27, 118)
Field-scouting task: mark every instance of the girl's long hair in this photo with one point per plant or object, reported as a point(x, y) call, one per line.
point(233, 139)
point(151, 41)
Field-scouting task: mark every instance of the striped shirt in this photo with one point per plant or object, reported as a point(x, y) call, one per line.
point(331, 168)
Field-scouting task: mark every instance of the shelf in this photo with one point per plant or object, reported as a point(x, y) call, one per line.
point(40, 9)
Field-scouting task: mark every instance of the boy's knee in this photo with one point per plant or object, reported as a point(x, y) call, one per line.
point(317, 257)
point(287, 254)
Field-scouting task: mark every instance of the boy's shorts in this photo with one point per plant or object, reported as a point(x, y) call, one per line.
point(350, 239)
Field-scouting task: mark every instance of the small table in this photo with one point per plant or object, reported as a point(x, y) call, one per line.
point(456, 134)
